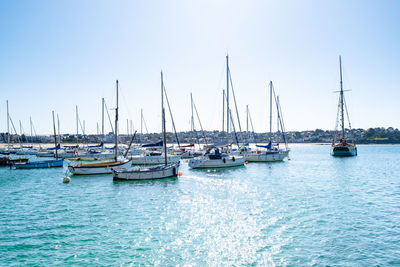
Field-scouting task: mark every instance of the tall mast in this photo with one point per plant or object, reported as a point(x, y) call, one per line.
point(192, 118)
point(341, 96)
point(102, 117)
point(97, 124)
point(30, 124)
point(227, 94)
point(279, 116)
point(55, 135)
point(58, 124)
point(163, 120)
point(141, 124)
point(127, 127)
point(116, 128)
point(131, 132)
point(77, 129)
point(247, 120)
point(270, 110)
point(8, 129)
point(20, 128)
point(223, 110)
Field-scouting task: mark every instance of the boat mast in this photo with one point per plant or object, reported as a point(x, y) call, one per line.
point(223, 110)
point(102, 117)
point(131, 132)
point(77, 129)
point(141, 125)
point(191, 118)
point(20, 128)
point(227, 95)
point(341, 96)
point(30, 124)
point(163, 119)
point(127, 127)
point(247, 121)
point(8, 129)
point(55, 135)
point(59, 132)
point(270, 110)
point(116, 128)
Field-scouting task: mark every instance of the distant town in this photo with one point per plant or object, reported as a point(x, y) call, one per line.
point(361, 136)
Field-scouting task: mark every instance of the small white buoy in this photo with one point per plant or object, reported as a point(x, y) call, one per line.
point(66, 180)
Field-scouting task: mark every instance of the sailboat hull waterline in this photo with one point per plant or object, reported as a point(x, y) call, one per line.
point(205, 162)
point(150, 173)
point(266, 156)
point(153, 160)
point(99, 168)
point(343, 151)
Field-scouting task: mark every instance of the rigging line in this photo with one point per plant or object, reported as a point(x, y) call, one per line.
point(348, 118)
point(83, 132)
point(347, 113)
point(145, 125)
point(172, 118)
point(34, 130)
point(201, 126)
point(125, 103)
point(252, 128)
point(22, 131)
point(283, 123)
point(336, 124)
point(234, 99)
point(195, 135)
point(21, 128)
point(108, 115)
point(12, 123)
point(281, 115)
point(233, 127)
point(280, 120)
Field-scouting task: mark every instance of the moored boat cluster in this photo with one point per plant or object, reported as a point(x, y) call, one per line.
point(157, 160)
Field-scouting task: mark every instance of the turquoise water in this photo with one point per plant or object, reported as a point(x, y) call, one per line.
point(311, 210)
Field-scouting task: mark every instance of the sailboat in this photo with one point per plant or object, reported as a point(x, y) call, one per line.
point(43, 163)
point(104, 167)
point(270, 152)
point(156, 172)
point(220, 156)
point(342, 148)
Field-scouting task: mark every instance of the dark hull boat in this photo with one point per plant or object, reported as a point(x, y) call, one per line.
point(342, 148)
point(4, 161)
point(12, 162)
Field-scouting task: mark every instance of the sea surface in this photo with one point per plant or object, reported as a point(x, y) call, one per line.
point(311, 210)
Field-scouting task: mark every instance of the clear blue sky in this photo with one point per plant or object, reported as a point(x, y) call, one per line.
point(56, 54)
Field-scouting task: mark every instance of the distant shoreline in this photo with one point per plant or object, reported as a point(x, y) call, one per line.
point(2, 145)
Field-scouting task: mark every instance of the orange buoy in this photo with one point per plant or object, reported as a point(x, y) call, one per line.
point(246, 162)
point(179, 174)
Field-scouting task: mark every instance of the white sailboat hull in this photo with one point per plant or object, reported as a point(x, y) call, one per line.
point(146, 173)
point(152, 160)
point(265, 156)
point(205, 162)
point(99, 168)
